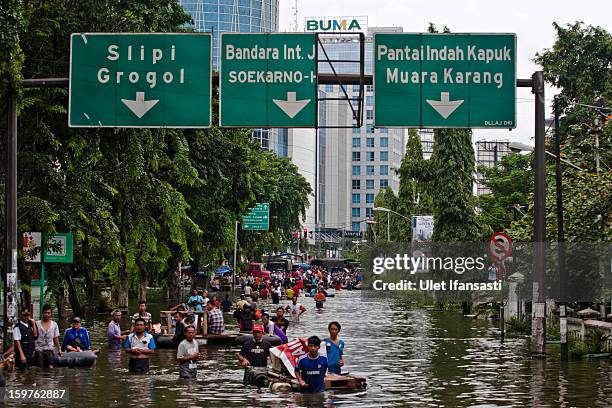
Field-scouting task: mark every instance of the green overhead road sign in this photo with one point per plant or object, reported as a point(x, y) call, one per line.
point(445, 80)
point(268, 80)
point(257, 218)
point(140, 80)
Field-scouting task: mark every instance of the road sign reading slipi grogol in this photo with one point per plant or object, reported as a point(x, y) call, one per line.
point(445, 80)
point(140, 80)
point(268, 80)
point(257, 218)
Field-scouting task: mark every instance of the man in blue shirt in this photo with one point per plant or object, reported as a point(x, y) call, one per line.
point(311, 368)
point(76, 338)
point(196, 301)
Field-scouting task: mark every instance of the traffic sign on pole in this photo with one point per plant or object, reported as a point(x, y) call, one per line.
point(445, 80)
point(268, 80)
point(140, 80)
point(499, 246)
point(257, 218)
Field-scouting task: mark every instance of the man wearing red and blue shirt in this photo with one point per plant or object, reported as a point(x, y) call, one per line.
point(311, 368)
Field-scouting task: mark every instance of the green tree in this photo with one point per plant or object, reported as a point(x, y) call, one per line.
point(510, 183)
point(452, 184)
point(579, 64)
point(415, 178)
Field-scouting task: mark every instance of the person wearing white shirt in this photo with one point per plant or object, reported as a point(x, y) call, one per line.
point(48, 339)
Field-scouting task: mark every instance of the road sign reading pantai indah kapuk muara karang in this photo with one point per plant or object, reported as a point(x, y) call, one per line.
point(445, 80)
point(140, 80)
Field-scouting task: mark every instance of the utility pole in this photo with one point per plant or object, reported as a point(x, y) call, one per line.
point(538, 326)
point(560, 235)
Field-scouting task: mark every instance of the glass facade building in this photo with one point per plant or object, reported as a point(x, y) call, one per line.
point(217, 16)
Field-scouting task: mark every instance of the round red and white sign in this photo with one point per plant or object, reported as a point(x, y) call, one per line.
point(499, 246)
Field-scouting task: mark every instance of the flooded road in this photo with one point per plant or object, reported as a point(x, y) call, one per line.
point(411, 357)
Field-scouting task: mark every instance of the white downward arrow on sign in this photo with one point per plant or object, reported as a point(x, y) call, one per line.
point(291, 107)
point(445, 107)
point(139, 107)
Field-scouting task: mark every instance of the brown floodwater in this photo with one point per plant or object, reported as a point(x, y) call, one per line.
point(411, 357)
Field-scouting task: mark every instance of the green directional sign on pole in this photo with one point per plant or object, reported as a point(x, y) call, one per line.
point(257, 218)
point(445, 80)
point(268, 80)
point(58, 247)
point(140, 80)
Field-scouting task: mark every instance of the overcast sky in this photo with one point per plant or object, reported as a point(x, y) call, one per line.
point(530, 20)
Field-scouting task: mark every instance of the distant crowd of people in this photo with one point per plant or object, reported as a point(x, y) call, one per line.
point(38, 342)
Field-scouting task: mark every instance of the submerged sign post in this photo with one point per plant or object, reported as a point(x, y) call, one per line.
point(445, 80)
point(268, 80)
point(140, 80)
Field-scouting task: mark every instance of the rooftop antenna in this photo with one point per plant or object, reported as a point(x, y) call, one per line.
point(295, 16)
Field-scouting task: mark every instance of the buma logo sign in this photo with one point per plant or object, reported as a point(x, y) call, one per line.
point(332, 25)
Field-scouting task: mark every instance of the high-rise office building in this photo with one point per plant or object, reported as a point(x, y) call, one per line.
point(488, 153)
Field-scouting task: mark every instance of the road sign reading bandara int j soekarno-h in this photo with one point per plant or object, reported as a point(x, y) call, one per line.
point(140, 80)
point(445, 80)
point(268, 80)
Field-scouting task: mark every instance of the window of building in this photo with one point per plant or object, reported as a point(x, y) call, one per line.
point(384, 183)
point(384, 142)
point(355, 212)
point(355, 226)
point(383, 130)
point(369, 198)
point(370, 170)
point(370, 184)
point(356, 130)
point(356, 142)
point(369, 88)
point(384, 156)
point(329, 88)
point(369, 212)
point(369, 156)
point(356, 184)
point(369, 129)
point(356, 198)
point(384, 170)
point(262, 137)
point(369, 100)
point(356, 170)
point(356, 88)
point(356, 156)
point(370, 142)
point(369, 114)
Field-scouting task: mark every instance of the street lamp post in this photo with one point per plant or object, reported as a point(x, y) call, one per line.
point(389, 211)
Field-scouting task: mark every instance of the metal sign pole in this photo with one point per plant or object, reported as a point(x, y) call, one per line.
point(235, 251)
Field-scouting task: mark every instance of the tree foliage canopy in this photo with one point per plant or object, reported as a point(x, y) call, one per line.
point(138, 200)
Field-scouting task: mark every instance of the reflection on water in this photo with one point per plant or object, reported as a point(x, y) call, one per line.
point(411, 356)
